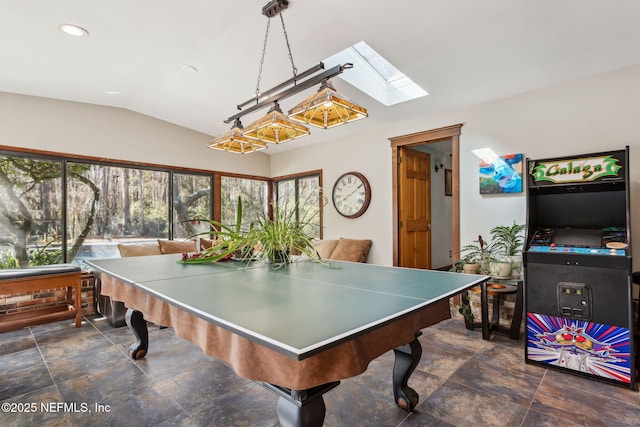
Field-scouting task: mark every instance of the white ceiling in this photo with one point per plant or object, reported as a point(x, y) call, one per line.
point(463, 52)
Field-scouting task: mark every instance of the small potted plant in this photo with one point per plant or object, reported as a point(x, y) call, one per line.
point(470, 264)
point(508, 240)
point(480, 253)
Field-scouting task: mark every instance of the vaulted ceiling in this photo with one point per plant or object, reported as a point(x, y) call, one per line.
point(463, 52)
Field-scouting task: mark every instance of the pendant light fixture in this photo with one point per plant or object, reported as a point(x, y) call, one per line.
point(327, 108)
point(235, 142)
point(275, 127)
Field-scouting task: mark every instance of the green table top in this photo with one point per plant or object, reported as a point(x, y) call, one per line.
point(298, 309)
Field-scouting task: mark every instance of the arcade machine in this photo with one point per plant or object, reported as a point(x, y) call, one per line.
point(577, 265)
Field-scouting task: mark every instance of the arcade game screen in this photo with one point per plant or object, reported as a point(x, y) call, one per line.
point(608, 240)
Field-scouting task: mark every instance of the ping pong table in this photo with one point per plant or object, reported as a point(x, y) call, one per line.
point(298, 329)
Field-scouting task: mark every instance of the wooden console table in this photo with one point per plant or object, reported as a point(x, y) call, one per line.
point(22, 280)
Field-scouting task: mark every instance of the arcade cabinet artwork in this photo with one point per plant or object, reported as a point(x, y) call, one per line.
point(578, 267)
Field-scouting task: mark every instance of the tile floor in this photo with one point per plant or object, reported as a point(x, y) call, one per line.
point(462, 381)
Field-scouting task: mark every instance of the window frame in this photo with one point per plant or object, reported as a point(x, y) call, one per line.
point(215, 178)
point(296, 178)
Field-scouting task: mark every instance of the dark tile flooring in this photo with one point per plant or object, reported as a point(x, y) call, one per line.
point(462, 381)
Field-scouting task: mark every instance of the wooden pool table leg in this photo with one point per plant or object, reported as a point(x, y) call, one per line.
point(301, 408)
point(138, 326)
point(407, 358)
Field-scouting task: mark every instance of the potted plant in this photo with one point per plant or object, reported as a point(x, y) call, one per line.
point(282, 236)
point(228, 241)
point(274, 239)
point(508, 240)
point(470, 265)
point(480, 253)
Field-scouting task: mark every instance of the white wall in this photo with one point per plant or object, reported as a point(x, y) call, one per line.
point(371, 156)
point(589, 115)
point(112, 133)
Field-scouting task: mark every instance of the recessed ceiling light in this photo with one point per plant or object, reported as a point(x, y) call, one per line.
point(73, 30)
point(113, 92)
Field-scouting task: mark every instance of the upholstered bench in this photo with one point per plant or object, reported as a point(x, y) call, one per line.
point(31, 279)
point(114, 311)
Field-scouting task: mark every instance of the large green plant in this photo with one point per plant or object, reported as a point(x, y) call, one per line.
point(227, 240)
point(276, 238)
point(508, 239)
point(283, 235)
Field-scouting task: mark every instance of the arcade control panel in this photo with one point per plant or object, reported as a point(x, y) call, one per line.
point(607, 241)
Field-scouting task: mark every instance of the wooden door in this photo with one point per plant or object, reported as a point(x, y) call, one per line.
point(414, 208)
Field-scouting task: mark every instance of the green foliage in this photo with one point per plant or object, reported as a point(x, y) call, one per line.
point(45, 256)
point(282, 236)
point(16, 168)
point(228, 239)
point(508, 239)
point(480, 252)
point(457, 267)
point(276, 238)
point(156, 224)
point(7, 260)
point(465, 307)
point(40, 256)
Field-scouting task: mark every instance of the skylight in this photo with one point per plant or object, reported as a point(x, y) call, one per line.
point(375, 76)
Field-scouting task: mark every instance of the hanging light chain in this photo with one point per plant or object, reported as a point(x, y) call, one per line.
point(264, 50)
point(286, 38)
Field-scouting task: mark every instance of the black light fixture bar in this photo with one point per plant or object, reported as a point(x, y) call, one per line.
point(299, 87)
point(274, 7)
point(292, 80)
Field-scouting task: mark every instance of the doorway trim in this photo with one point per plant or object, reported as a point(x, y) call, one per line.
point(426, 137)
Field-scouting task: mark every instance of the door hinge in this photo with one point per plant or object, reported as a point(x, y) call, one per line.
point(399, 159)
point(400, 224)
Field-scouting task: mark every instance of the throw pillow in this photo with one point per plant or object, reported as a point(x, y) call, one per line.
point(138, 249)
point(325, 247)
point(351, 250)
point(173, 247)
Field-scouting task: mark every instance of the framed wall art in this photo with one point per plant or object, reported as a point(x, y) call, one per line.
point(447, 182)
point(503, 174)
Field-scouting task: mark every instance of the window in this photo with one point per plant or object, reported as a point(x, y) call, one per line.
point(55, 209)
point(30, 211)
point(254, 195)
point(303, 194)
point(375, 76)
point(191, 199)
point(111, 204)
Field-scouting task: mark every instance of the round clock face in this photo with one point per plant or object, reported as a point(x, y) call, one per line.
point(351, 195)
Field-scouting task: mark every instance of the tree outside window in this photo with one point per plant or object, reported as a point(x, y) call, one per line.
point(303, 193)
point(253, 193)
point(191, 199)
point(30, 211)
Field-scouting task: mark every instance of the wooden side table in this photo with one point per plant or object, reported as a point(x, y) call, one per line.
point(21, 280)
point(497, 288)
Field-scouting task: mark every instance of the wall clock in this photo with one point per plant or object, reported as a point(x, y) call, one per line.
point(351, 194)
